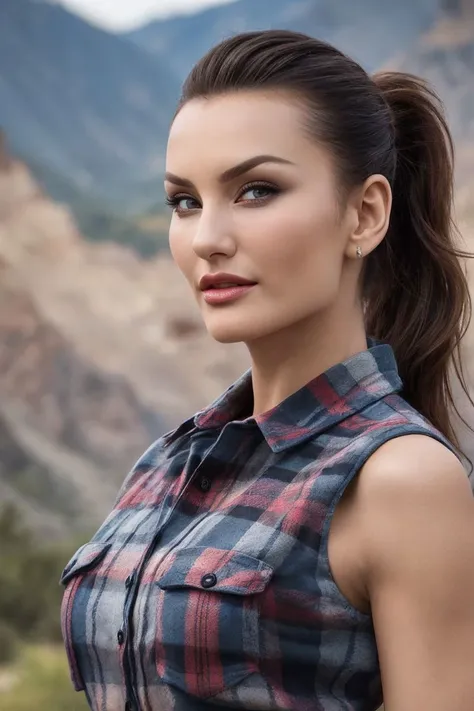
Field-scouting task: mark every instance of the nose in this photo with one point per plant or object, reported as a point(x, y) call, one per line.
point(213, 237)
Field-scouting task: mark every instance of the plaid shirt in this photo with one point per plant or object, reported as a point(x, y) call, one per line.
point(208, 585)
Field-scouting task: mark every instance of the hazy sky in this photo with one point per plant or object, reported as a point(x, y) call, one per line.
point(123, 14)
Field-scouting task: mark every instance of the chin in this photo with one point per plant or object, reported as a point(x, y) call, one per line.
point(227, 337)
point(226, 333)
point(225, 329)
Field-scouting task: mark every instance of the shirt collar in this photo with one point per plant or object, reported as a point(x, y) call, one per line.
point(339, 392)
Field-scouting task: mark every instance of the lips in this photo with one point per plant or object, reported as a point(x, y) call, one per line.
point(226, 285)
point(223, 281)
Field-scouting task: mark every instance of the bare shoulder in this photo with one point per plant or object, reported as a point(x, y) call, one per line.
point(414, 466)
point(413, 489)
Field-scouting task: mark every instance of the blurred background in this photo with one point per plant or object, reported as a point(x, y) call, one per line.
point(101, 346)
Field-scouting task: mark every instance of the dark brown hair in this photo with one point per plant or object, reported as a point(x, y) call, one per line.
point(414, 289)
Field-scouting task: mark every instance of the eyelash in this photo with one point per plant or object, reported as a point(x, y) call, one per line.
point(174, 200)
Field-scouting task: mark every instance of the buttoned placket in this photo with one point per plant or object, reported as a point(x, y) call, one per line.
point(124, 637)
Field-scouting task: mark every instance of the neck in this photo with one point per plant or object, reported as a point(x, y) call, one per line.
point(286, 361)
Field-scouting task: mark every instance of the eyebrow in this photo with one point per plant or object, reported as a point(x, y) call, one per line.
point(232, 173)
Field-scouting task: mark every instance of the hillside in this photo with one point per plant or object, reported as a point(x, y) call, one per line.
point(83, 102)
point(370, 30)
point(100, 353)
point(444, 55)
point(98, 221)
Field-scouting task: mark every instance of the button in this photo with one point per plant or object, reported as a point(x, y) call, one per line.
point(205, 484)
point(129, 580)
point(120, 637)
point(209, 580)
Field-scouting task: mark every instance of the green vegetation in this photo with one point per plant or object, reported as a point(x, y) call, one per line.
point(40, 680)
point(29, 591)
point(100, 222)
point(33, 666)
point(37, 483)
point(98, 225)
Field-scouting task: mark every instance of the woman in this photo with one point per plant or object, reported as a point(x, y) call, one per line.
point(308, 539)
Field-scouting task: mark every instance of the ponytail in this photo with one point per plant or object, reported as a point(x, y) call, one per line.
point(415, 289)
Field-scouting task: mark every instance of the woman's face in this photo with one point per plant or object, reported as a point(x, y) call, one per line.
point(255, 214)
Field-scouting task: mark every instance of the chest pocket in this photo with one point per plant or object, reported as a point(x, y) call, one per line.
point(87, 559)
point(208, 631)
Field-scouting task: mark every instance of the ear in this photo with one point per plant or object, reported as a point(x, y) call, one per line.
point(371, 205)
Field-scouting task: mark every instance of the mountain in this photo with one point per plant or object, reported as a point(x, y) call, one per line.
point(85, 103)
point(100, 353)
point(369, 30)
point(89, 111)
point(444, 55)
point(98, 221)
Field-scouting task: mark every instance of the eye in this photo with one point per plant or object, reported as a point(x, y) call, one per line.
point(182, 203)
point(257, 192)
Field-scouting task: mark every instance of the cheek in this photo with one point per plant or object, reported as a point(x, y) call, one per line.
point(180, 248)
point(301, 247)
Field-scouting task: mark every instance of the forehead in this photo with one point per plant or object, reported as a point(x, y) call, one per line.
point(236, 126)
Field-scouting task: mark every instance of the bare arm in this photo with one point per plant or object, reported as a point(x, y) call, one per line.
point(418, 529)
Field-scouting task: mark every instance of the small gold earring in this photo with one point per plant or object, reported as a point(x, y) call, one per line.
point(359, 251)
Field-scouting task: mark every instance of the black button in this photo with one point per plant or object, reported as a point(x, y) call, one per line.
point(129, 580)
point(205, 484)
point(120, 637)
point(209, 580)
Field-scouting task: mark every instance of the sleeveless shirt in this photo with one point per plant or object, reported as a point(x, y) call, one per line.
point(209, 586)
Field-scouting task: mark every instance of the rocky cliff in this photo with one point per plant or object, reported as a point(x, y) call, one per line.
point(99, 354)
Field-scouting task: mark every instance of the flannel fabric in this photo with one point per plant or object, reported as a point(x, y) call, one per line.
point(209, 586)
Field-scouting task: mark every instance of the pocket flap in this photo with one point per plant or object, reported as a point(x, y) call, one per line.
point(86, 558)
point(217, 570)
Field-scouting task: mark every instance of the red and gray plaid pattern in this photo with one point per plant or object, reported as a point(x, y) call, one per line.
point(208, 585)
